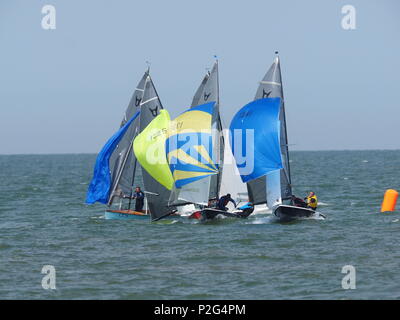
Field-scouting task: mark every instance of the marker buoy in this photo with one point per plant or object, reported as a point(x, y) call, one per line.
point(389, 200)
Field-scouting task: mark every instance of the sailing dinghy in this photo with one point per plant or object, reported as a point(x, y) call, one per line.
point(117, 170)
point(195, 152)
point(270, 180)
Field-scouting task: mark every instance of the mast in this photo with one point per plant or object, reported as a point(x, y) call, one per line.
point(221, 139)
point(134, 170)
point(284, 118)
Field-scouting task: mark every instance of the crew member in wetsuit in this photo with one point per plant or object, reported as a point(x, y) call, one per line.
point(298, 202)
point(223, 201)
point(247, 210)
point(139, 196)
point(312, 201)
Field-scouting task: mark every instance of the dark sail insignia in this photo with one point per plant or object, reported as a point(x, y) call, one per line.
point(137, 101)
point(154, 111)
point(245, 113)
point(206, 96)
point(266, 94)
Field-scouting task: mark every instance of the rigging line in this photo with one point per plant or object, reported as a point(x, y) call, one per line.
point(136, 133)
point(120, 174)
point(133, 180)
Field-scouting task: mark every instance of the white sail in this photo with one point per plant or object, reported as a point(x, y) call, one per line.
point(274, 196)
point(231, 181)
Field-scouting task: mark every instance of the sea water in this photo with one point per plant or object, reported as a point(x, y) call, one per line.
point(44, 221)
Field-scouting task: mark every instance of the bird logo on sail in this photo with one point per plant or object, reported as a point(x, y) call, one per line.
point(154, 111)
point(206, 96)
point(266, 94)
point(137, 101)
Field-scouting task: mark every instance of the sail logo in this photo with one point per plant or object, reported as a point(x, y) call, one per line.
point(245, 113)
point(206, 96)
point(158, 133)
point(194, 147)
point(349, 20)
point(49, 20)
point(266, 94)
point(137, 101)
point(242, 142)
point(154, 112)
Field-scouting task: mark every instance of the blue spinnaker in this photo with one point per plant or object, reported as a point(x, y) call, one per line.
point(100, 185)
point(255, 158)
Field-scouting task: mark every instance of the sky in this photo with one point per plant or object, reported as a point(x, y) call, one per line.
point(65, 90)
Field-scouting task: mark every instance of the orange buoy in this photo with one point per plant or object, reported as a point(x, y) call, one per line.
point(389, 200)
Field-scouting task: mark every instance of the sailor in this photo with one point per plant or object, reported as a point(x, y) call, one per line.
point(298, 202)
point(247, 209)
point(223, 201)
point(139, 196)
point(312, 201)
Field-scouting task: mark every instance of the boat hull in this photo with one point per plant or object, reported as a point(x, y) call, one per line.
point(125, 215)
point(288, 213)
point(211, 213)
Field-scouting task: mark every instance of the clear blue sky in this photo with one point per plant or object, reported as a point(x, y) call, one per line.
point(65, 90)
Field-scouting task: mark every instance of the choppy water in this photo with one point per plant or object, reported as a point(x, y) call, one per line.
point(44, 221)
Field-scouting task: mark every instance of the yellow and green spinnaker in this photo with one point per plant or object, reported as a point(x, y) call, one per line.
point(189, 145)
point(149, 148)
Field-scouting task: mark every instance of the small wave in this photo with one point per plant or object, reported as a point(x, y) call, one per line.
point(166, 221)
point(263, 220)
point(316, 216)
point(103, 216)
